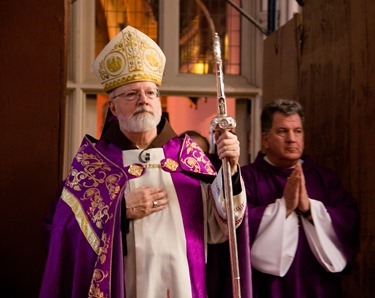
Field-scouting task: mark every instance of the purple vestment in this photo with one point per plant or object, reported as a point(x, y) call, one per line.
point(306, 277)
point(86, 253)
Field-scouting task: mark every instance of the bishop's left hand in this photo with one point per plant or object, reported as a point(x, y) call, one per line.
point(228, 147)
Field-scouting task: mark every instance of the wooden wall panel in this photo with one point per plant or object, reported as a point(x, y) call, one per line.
point(336, 85)
point(362, 128)
point(280, 66)
point(325, 83)
point(32, 84)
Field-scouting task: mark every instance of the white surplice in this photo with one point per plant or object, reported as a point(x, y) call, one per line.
point(160, 233)
point(276, 242)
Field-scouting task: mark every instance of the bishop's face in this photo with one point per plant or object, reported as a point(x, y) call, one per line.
point(137, 106)
point(284, 142)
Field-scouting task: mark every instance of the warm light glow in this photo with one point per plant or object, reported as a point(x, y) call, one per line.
point(200, 68)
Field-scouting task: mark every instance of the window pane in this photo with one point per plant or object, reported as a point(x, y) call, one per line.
point(199, 20)
point(114, 15)
point(96, 110)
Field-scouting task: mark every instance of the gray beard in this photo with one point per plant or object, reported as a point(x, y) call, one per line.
point(140, 122)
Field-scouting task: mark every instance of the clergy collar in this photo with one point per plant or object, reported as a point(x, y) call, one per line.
point(268, 160)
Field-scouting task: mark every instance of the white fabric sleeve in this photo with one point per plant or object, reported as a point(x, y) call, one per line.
point(276, 242)
point(216, 210)
point(322, 238)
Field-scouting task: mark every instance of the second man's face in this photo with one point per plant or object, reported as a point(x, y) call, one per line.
point(284, 142)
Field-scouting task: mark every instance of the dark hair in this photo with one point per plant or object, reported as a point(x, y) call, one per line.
point(196, 135)
point(284, 106)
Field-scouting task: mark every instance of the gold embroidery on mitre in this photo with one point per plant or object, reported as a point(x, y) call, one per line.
point(135, 170)
point(131, 56)
point(170, 164)
point(114, 63)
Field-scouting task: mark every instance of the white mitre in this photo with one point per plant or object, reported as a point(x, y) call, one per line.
point(131, 56)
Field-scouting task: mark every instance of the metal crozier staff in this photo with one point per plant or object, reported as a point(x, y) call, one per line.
point(219, 123)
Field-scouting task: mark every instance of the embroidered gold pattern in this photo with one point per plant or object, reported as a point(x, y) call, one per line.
point(112, 184)
point(152, 166)
point(104, 248)
point(95, 292)
point(209, 169)
point(99, 275)
point(131, 56)
point(193, 164)
point(82, 219)
point(94, 176)
point(98, 211)
point(93, 172)
point(170, 164)
point(135, 170)
point(114, 64)
point(196, 158)
point(152, 58)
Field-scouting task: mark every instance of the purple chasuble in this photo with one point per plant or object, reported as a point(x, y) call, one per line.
point(306, 277)
point(83, 236)
point(85, 253)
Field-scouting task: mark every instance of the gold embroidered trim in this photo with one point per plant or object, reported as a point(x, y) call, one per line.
point(98, 210)
point(82, 220)
point(95, 291)
point(135, 170)
point(171, 164)
point(152, 166)
point(93, 172)
point(196, 158)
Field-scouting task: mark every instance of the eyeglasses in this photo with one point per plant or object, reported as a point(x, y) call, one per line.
point(135, 94)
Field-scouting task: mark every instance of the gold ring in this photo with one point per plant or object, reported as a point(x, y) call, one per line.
point(154, 204)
